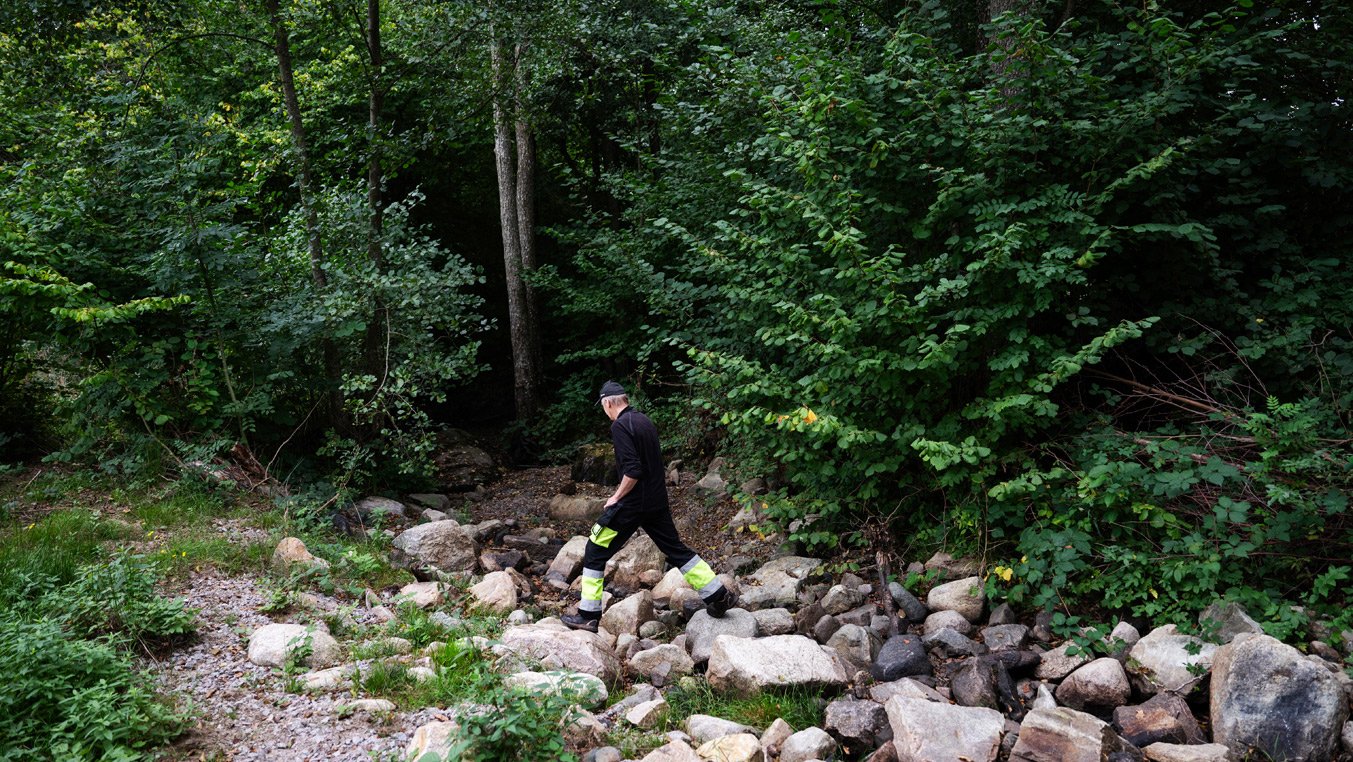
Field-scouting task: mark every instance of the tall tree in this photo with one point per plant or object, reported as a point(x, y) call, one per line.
point(514, 160)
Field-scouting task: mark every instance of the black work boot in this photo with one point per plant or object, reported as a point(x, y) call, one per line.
point(581, 621)
point(718, 604)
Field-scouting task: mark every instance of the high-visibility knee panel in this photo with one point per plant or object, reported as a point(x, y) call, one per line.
point(602, 536)
point(700, 576)
point(591, 592)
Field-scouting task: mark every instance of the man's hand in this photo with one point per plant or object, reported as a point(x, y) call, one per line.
point(627, 483)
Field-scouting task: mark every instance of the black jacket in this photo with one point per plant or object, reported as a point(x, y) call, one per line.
point(639, 456)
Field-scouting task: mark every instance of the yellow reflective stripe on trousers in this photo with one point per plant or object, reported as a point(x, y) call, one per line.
point(591, 589)
point(699, 575)
point(602, 536)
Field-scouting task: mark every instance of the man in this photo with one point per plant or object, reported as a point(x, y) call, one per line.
point(639, 502)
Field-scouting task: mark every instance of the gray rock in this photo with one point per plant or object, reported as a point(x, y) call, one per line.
point(647, 714)
point(953, 644)
point(825, 628)
point(884, 753)
point(579, 508)
point(595, 463)
point(962, 595)
point(604, 754)
point(774, 621)
point(675, 751)
point(704, 728)
point(1168, 660)
point(1267, 698)
point(627, 615)
point(1058, 663)
point(670, 583)
point(906, 688)
point(855, 644)
point(1169, 752)
point(935, 732)
point(458, 464)
point(974, 683)
point(1044, 698)
point(1164, 718)
point(1346, 737)
point(746, 666)
point(434, 738)
point(668, 660)
point(753, 486)
point(1227, 619)
point(861, 616)
point(807, 744)
point(430, 515)
point(776, 734)
point(640, 554)
point(1097, 687)
point(496, 593)
point(860, 725)
point(1124, 636)
point(442, 545)
point(952, 568)
point(739, 747)
point(379, 507)
point(946, 620)
point(555, 646)
point(908, 606)
point(1066, 735)
point(273, 644)
point(431, 501)
point(1002, 615)
point(840, 599)
point(777, 583)
point(901, 656)
point(703, 630)
point(1005, 637)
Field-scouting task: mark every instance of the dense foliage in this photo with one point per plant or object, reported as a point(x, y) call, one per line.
point(1064, 287)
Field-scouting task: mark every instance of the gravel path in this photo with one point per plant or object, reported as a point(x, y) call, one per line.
point(245, 712)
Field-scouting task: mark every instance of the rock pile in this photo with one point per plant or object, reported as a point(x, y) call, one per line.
point(944, 679)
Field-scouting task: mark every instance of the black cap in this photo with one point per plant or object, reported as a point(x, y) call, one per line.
point(609, 389)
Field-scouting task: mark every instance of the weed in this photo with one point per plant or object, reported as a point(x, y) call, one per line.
point(798, 706)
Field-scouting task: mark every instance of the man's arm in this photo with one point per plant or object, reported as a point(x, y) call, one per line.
point(626, 484)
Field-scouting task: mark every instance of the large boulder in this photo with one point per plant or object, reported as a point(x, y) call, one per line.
point(442, 545)
point(703, 630)
point(777, 583)
point(375, 507)
point(555, 646)
point(595, 463)
point(459, 464)
point(1168, 660)
point(1063, 734)
point(575, 508)
point(627, 567)
point(1098, 687)
point(749, 666)
point(961, 595)
point(928, 731)
point(1270, 701)
point(1225, 620)
point(273, 645)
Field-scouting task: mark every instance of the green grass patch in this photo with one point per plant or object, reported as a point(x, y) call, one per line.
point(798, 707)
point(190, 552)
point(49, 552)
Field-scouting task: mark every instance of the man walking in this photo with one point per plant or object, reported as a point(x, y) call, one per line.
point(639, 502)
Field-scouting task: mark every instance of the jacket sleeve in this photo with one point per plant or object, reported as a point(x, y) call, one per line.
point(626, 452)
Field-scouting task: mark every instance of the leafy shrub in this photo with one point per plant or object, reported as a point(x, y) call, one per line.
point(118, 599)
point(64, 698)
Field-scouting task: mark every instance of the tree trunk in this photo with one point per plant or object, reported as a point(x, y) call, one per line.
point(526, 221)
point(1005, 75)
point(282, 48)
point(525, 388)
point(374, 344)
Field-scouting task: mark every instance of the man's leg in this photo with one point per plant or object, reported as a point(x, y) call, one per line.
point(699, 575)
point(602, 543)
